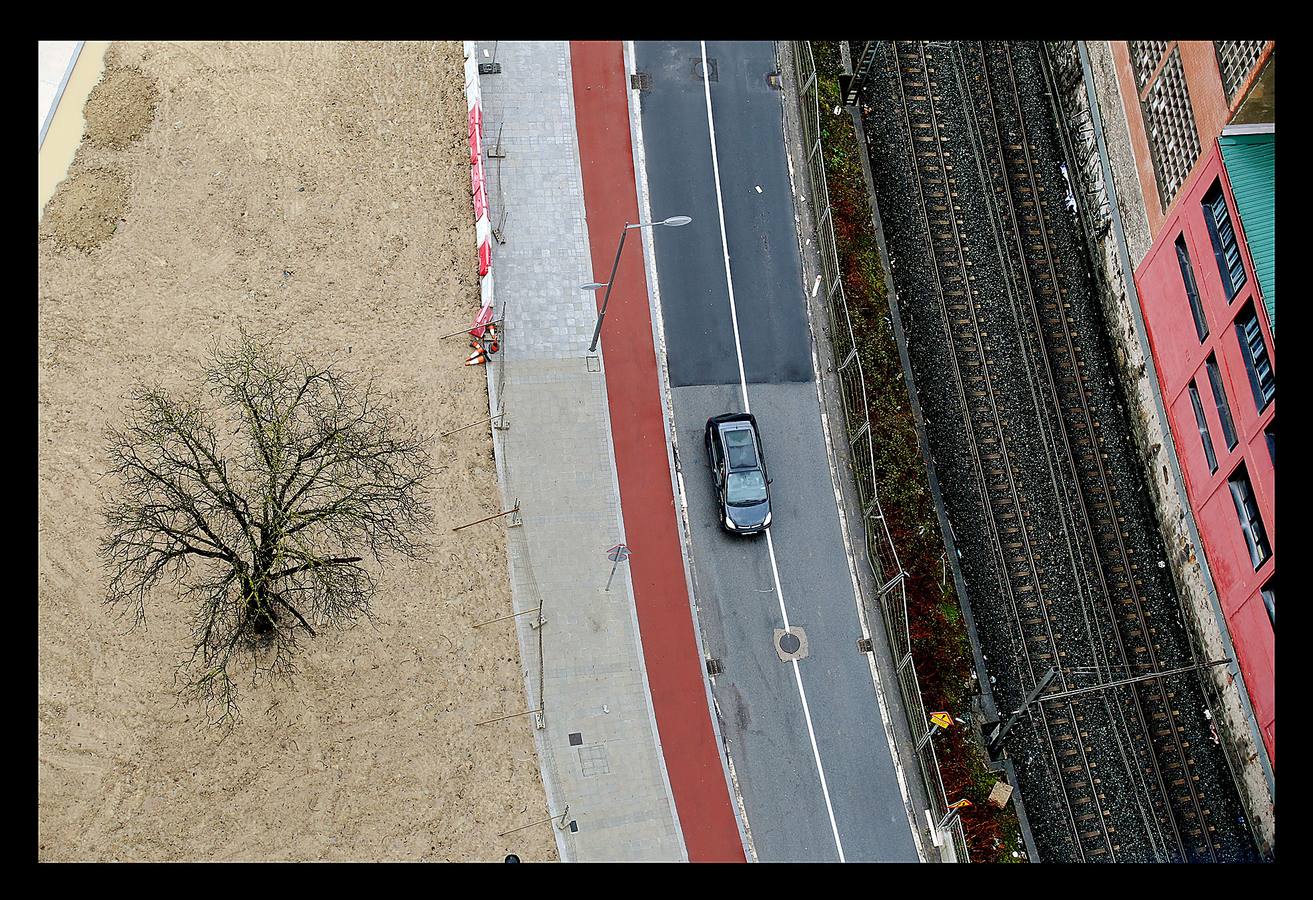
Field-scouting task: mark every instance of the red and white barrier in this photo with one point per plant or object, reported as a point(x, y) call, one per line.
point(481, 325)
point(478, 176)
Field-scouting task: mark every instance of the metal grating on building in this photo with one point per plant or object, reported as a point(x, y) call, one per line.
point(1173, 135)
point(1236, 59)
point(1144, 57)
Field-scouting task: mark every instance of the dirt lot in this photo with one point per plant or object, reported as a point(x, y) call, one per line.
point(325, 188)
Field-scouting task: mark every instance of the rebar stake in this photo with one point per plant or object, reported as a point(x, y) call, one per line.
point(515, 509)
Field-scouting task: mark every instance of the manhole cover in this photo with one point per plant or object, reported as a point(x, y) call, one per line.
point(710, 73)
point(790, 644)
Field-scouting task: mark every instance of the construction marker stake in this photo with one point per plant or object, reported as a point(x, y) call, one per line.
point(466, 330)
point(513, 509)
point(472, 424)
point(511, 616)
point(511, 716)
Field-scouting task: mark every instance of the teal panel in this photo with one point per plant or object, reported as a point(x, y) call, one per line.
point(1250, 166)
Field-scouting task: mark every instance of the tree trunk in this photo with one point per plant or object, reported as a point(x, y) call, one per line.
point(260, 610)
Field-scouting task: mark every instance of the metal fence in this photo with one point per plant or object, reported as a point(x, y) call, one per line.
point(881, 554)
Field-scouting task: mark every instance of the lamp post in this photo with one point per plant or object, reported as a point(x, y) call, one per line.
point(673, 221)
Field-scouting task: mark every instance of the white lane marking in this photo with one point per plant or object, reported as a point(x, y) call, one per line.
point(724, 244)
point(743, 383)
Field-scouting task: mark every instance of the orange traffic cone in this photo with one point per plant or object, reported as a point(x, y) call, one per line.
point(478, 357)
point(490, 339)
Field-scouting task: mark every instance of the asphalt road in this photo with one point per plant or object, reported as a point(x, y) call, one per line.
point(798, 808)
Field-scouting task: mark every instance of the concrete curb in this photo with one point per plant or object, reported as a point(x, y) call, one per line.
point(59, 94)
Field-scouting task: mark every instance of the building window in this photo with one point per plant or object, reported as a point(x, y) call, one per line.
point(1235, 60)
point(1144, 58)
point(1251, 523)
point(1203, 428)
point(1170, 125)
point(1270, 600)
point(1225, 245)
point(1191, 288)
point(1219, 397)
point(1271, 434)
point(1254, 350)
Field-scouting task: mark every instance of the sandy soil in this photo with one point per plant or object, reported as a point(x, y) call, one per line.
point(322, 187)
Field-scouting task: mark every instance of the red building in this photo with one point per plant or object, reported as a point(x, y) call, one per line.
point(1211, 337)
point(1198, 115)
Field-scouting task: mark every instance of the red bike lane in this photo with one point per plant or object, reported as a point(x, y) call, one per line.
point(674, 664)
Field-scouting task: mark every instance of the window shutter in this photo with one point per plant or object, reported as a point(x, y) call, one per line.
point(1225, 246)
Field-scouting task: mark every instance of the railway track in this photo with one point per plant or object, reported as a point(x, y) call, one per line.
point(1015, 203)
point(1088, 547)
point(1187, 829)
point(1090, 662)
point(1065, 725)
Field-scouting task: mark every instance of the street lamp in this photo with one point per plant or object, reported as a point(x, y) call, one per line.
point(672, 221)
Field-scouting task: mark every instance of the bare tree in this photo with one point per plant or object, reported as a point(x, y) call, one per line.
point(259, 509)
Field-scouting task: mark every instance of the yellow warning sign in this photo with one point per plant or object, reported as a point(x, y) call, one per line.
point(942, 719)
point(960, 804)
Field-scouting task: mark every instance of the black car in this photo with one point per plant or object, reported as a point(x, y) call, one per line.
point(738, 467)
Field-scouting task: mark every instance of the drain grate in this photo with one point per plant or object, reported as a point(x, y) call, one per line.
point(640, 81)
point(864, 645)
point(714, 666)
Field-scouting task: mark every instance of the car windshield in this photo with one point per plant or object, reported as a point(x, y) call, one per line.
point(745, 488)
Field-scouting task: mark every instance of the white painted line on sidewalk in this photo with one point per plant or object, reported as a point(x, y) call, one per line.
point(743, 382)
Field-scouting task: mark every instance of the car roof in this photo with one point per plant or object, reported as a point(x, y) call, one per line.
point(741, 448)
point(747, 419)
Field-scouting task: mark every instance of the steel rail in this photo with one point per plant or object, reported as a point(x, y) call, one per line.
point(1028, 556)
point(991, 505)
point(1104, 482)
point(1044, 413)
point(1095, 584)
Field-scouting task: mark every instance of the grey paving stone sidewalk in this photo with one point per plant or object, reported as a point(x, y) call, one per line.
point(598, 746)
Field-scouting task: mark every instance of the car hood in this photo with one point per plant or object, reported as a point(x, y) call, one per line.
point(748, 516)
